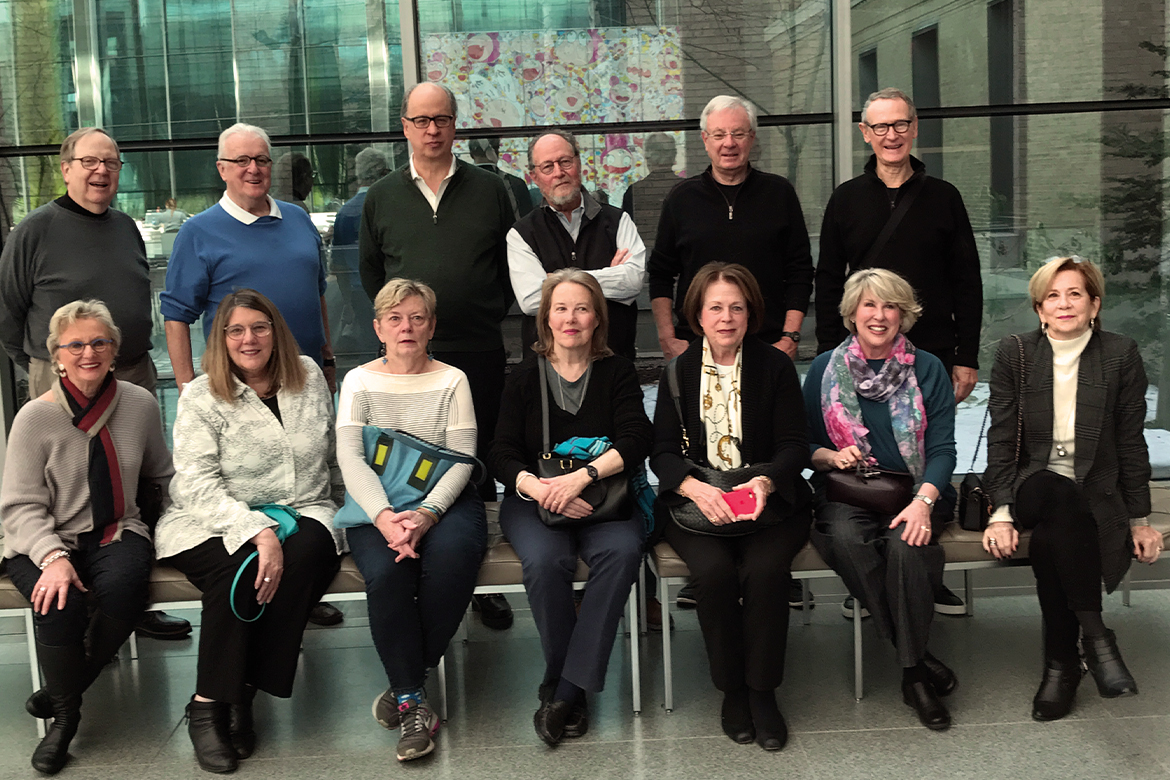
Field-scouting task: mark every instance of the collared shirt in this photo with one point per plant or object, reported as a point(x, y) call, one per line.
point(620, 283)
point(247, 217)
point(433, 198)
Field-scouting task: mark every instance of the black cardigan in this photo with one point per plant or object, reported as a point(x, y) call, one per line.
point(612, 407)
point(774, 429)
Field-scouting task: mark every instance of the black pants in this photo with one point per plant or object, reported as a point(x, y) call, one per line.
point(1065, 553)
point(117, 576)
point(234, 654)
point(485, 374)
point(746, 643)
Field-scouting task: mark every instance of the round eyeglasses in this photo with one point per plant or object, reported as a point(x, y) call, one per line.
point(99, 346)
point(259, 329)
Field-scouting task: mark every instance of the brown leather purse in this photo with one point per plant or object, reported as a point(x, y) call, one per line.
point(869, 487)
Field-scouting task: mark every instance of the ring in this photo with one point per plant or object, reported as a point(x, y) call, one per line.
point(43, 588)
point(992, 542)
point(924, 527)
point(268, 579)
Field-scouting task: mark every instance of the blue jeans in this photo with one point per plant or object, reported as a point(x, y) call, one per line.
point(416, 605)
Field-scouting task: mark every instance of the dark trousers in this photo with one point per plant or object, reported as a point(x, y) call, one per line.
point(234, 654)
point(485, 374)
point(893, 580)
point(117, 576)
point(576, 645)
point(1065, 554)
point(746, 643)
point(416, 605)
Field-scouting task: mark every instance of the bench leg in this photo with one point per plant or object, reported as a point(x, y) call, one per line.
point(858, 683)
point(441, 673)
point(133, 642)
point(635, 650)
point(969, 591)
point(1125, 587)
point(34, 661)
point(806, 602)
point(667, 671)
point(643, 626)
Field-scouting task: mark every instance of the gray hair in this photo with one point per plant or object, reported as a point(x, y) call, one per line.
point(81, 310)
point(370, 165)
point(660, 150)
point(886, 286)
point(724, 102)
point(70, 142)
point(450, 97)
point(239, 128)
point(564, 135)
point(889, 93)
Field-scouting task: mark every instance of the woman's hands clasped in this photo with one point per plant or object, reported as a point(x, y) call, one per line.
point(403, 530)
point(54, 584)
point(560, 495)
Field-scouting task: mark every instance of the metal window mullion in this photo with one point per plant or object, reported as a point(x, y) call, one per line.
point(166, 53)
point(408, 24)
point(235, 58)
point(842, 100)
point(88, 78)
point(377, 65)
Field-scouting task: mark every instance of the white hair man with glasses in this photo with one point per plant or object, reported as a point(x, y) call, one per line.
point(897, 217)
point(248, 239)
point(572, 230)
point(735, 213)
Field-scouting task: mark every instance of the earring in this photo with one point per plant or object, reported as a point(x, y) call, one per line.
point(60, 369)
point(1092, 322)
point(1044, 328)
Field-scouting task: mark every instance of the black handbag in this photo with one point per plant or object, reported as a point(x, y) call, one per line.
point(610, 497)
point(684, 511)
point(974, 504)
point(868, 487)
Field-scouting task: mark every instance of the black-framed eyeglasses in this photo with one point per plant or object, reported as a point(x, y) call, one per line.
point(260, 330)
point(881, 128)
point(564, 163)
point(99, 346)
point(113, 165)
point(244, 160)
point(423, 122)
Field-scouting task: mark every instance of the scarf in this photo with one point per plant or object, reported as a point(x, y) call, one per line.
point(105, 476)
point(721, 411)
point(848, 375)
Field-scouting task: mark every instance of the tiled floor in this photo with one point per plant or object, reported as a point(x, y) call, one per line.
point(132, 725)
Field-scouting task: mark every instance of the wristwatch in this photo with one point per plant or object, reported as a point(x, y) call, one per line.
point(592, 472)
point(924, 499)
point(792, 334)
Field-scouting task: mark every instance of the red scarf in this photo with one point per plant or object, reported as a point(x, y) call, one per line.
point(105, 476)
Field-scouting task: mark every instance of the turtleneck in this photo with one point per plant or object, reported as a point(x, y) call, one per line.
point(1066, 362)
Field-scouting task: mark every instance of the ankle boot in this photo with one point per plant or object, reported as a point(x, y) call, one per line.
point(1104, 661)
point(207, 725)
point(736, 717)
point(771, 730)
point(64, 669)
point(105, 638)
point(241, 726)
point(1058, 689)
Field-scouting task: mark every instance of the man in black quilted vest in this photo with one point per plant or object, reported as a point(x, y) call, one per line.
point(571, 229)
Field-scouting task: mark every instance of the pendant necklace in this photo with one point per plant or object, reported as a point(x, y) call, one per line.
point(1061, 450)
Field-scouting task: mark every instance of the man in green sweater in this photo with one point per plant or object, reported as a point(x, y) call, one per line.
point(443, 221)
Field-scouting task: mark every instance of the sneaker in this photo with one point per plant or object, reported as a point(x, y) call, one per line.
point(947, 602)
point(686, 598)
point(419, 725)
point(386, 710)
point(796, 595)
point(847, 608)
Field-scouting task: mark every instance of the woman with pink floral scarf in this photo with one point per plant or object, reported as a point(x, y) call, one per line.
point(877, 402)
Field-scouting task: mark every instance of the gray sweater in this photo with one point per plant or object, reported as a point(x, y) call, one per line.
point(55, 256)
point(44, 501)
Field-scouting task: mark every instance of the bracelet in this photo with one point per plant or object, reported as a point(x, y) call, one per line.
point(519, 481)
point(55, 556)
point(767, 482)
point(426, 510)
point(329, 362)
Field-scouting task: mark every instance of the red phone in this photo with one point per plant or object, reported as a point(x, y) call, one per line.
point(742, 501)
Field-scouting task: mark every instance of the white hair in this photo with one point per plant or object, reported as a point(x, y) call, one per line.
point(239, 128)
point(724, 102)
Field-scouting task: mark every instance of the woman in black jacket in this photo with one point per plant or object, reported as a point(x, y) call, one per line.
point(1081, 481)
point(742, 406)
point(591, 393)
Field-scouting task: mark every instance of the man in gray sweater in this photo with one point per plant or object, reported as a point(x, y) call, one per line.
point(78, 247)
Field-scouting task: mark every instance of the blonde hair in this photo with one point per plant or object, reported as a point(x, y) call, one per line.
point(886, 286)
point(598, 348)
point(396, 291)
point(284, 370)
point(81, 310)
point(1042, 280)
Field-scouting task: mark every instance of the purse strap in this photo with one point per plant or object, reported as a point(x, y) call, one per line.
point(672, 385)
point(979, 441)
point(1020, 398)
point(540, 362)
point(891, 224)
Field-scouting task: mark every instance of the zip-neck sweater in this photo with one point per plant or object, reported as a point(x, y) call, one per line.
point(458, 249)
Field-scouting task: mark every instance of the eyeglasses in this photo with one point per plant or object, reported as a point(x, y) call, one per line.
point(881, 128)
point(99, 346)
point(259, 329)
point(423, 122)
point(91, 163)
point(737, 136)
point(244, 160)
point(564, 163)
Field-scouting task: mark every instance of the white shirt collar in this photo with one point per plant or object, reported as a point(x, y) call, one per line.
point(237, 211)
point(414, 174)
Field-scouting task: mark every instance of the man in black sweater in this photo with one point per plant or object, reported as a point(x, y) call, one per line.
point(733, 213)
point(933, 246)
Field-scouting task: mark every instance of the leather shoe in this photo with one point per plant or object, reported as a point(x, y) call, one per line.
point(578, 721)
point(494, 611)
point(736, 717)
point(550, 721)
point(1109, 671)
point(325, 614)
point(940, 675)
point(1057, 690)
point(241, 726)
point(921, 696)
point(160, 625)
point(207, 725)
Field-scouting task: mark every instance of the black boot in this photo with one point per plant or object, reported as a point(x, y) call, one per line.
point(1057, 690)
point(240, 725)
point(207, 725)
point(105, 638)
point(736, 717)
point(771, 730)
point(65, 674)
point(1104, 661)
